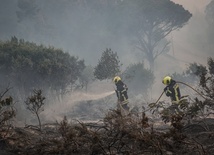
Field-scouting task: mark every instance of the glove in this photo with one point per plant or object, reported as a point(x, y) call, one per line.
point(183, 105)
point(152, 105)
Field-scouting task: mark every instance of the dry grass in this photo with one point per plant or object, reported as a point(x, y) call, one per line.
point(116, 134)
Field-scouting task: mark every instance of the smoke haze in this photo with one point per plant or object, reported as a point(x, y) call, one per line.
point(56, 112)
point(61, 25)
point(53, 24)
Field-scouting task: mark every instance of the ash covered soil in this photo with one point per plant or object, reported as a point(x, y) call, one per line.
point(114, 134)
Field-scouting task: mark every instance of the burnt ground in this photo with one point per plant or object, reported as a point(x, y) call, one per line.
point(123, 136)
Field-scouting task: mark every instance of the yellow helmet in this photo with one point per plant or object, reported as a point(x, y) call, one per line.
point(116, 79)
point(167, 80)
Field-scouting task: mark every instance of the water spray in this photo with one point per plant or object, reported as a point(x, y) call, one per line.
point(56, 111)
point(89, 97)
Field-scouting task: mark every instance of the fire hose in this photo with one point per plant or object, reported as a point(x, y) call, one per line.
point(154, 104)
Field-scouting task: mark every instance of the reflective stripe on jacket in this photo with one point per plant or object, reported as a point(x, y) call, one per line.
point(121, 91)
point(173, 91)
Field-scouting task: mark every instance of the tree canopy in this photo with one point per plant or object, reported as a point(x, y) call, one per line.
point(210, 12)
point(25, 65)
point(138, 79)
point(145, 22)
point(108, 65)
point(86, 77)
point(151, 22)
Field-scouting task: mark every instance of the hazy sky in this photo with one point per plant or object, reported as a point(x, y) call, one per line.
point(88, 42)
point(182, 49)
point(193, 5)
point(57, 31)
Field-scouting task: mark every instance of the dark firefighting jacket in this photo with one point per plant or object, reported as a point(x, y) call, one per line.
point(173, 91)
point(121, 91)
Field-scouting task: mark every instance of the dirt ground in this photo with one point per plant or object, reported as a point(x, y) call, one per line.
point(199, 135)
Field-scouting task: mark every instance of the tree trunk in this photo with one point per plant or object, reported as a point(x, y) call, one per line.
point(151, 60)
point(40, 126)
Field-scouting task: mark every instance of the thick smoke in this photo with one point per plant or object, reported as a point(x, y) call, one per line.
point(64, 26)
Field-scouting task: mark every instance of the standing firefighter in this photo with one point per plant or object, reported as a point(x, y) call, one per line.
point(172, 89)
point(121, 92)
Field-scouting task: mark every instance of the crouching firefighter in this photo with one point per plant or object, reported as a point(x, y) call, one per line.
point(121, 92)
point(172, 89)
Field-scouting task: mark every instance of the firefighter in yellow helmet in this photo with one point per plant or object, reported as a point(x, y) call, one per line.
point(121, 92)
point(172, 89)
